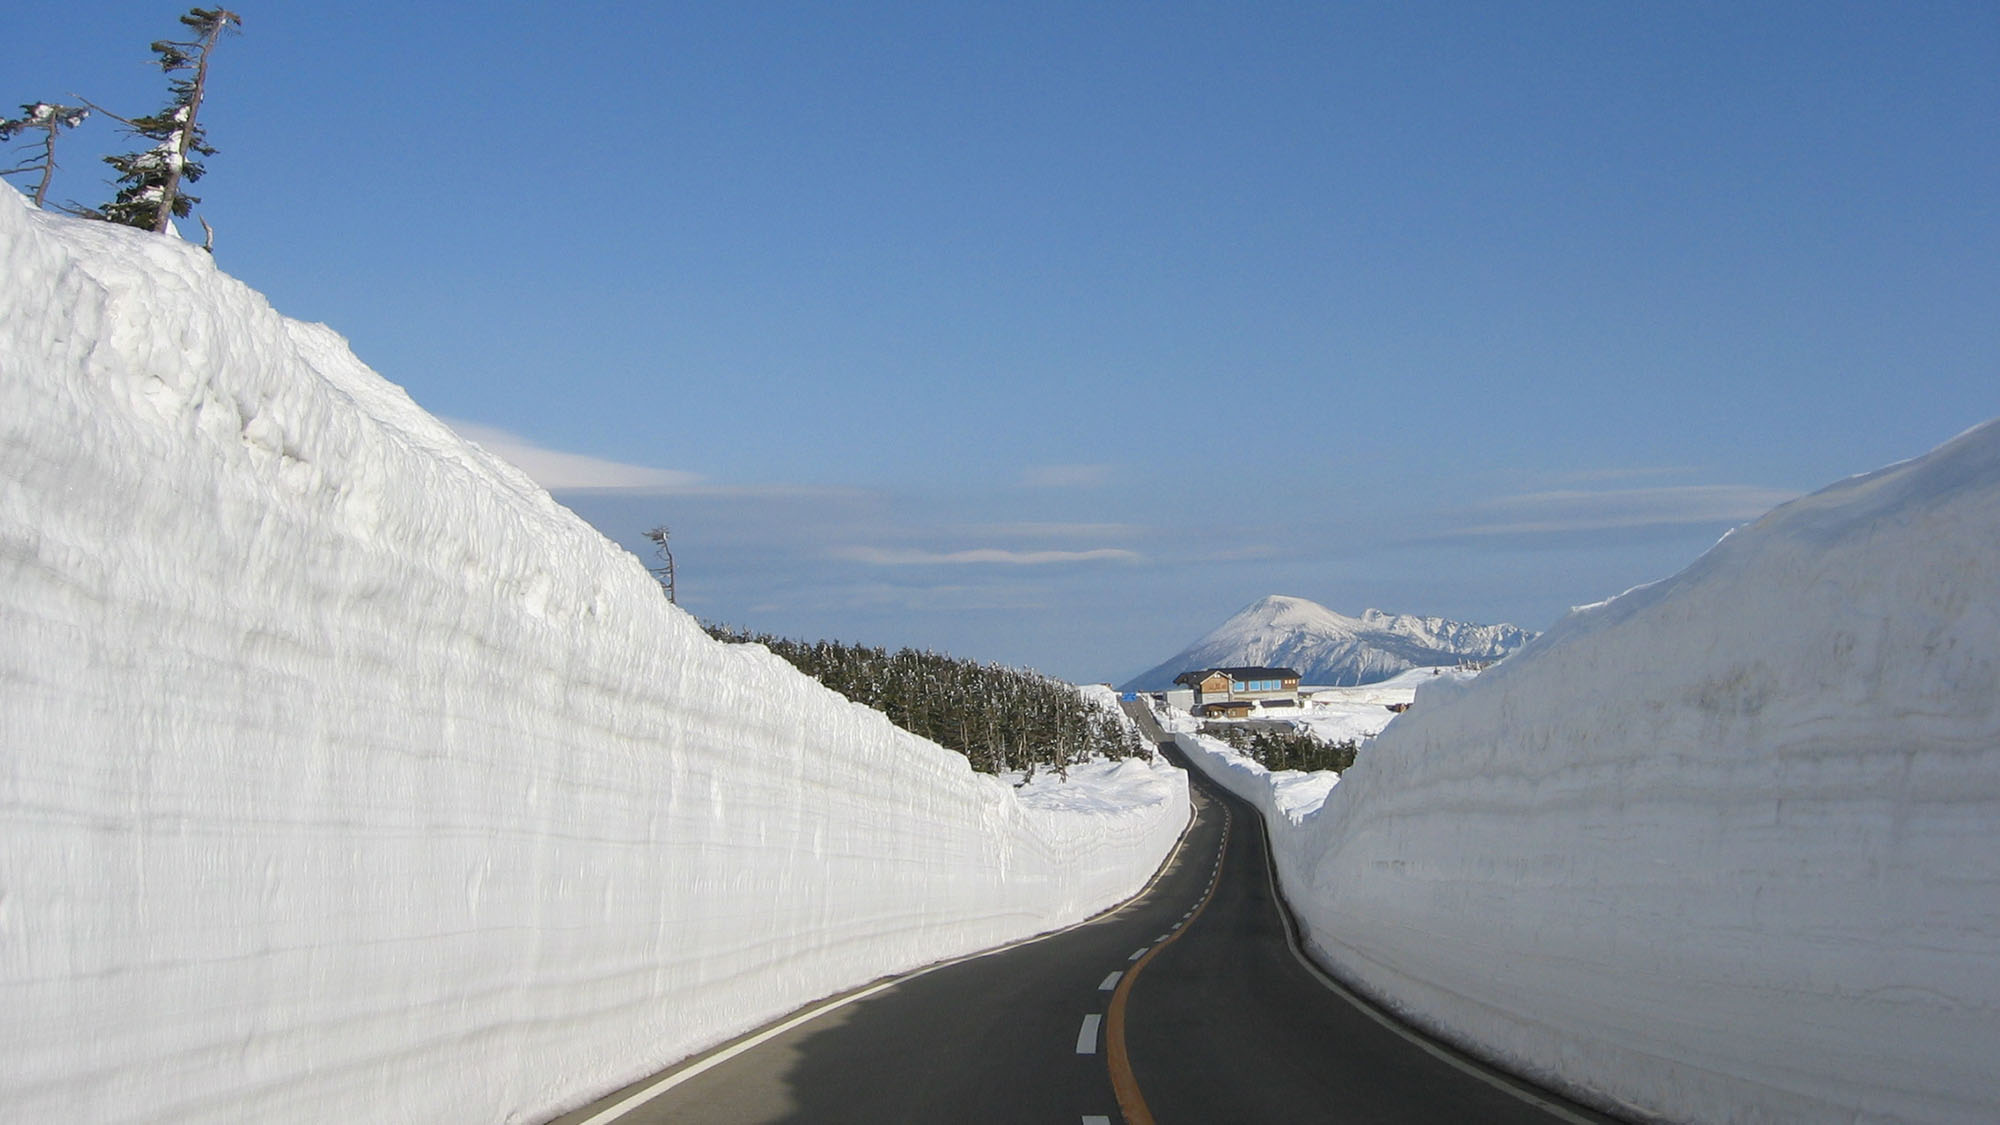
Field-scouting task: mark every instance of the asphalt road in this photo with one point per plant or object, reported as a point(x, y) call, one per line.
point(1219, 1021)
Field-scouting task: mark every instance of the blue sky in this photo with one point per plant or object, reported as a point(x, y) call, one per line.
point(1054, 333)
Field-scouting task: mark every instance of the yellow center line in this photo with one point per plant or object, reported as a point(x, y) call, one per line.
point(1124, 1086)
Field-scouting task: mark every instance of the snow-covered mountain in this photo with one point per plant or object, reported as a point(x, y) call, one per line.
point(1331, 648)
point(345, 775)
point(1719, 849)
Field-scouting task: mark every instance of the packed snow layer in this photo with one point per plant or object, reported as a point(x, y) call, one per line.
point(346, 776)
point(1721, 849)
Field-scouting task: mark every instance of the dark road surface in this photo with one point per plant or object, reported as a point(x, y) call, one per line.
point(1221, 1022)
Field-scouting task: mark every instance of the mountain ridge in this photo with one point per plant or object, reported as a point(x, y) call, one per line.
point(1331, 648)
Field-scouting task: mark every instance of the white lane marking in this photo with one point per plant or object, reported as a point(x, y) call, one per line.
point(1096, 1119)
point(1138, 953)
point(1425, 1043)
point(661, 1083)
point(1111, 981)
point(1086, 1038)
point(1163, 937)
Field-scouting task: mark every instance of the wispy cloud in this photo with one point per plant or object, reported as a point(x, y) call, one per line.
point(884, 556)
point(1246, 552)
point(1600, 476)
point(1066, 476)
point(572, 472)
point(940, 598)
point(1054, 530)
point(559, 471)
point(1569, 510)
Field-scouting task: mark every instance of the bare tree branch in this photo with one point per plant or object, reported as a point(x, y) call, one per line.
point(95, 108)
point(664, 573)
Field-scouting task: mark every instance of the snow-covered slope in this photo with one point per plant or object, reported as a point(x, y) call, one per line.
point(1331, 648)
point(1356, 714)
point(344, 776)
point(1721, 849)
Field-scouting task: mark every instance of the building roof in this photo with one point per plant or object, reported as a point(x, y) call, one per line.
point(1199, 674)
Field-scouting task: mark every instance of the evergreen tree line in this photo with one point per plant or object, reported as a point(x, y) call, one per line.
point(1000, 718)
point(1285, 749)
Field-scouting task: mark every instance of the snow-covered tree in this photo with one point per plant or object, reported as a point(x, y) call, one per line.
point(153, 193)
point(50, 119)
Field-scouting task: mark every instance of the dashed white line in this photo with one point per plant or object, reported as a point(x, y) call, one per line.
point(1086, 1038)
point(661, 1083)
point(1096, 1119)
point(1111, 981)
point(1163, 937)
point(1138, 953)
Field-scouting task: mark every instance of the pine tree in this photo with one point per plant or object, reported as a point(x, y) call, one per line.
point(153, 193)
point(1000, 718)
point(50, 119)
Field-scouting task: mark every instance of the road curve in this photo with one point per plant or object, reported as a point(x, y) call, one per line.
point(1219, 1021)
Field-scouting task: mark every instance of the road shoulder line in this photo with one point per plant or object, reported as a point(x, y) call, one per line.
point(645, 1090)
point(1443, 1051)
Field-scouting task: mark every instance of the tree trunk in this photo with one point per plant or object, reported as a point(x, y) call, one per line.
point(187, 134)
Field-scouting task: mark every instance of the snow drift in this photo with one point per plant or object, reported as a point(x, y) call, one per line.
point(346, 776)
point(1721, 849)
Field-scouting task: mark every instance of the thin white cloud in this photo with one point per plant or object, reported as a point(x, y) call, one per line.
point(1566, 510)
point(572, 472)
point(1249, 552)
point(882, 556)
point(1050, 530)
point(1600, 476)
point(947, 598)
point(558, 471)
point(1066, 476)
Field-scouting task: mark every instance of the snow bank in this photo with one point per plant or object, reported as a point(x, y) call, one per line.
point(1284, 797)
point(1333, 714)
point(1721, 849)
point(346, 776)
point(1356, 714)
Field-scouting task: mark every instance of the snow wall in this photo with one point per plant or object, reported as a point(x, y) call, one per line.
point(1724, 849)
point(345, 776)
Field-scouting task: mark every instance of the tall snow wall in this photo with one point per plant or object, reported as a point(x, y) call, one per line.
point(1724, 849)
point(346, 776)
